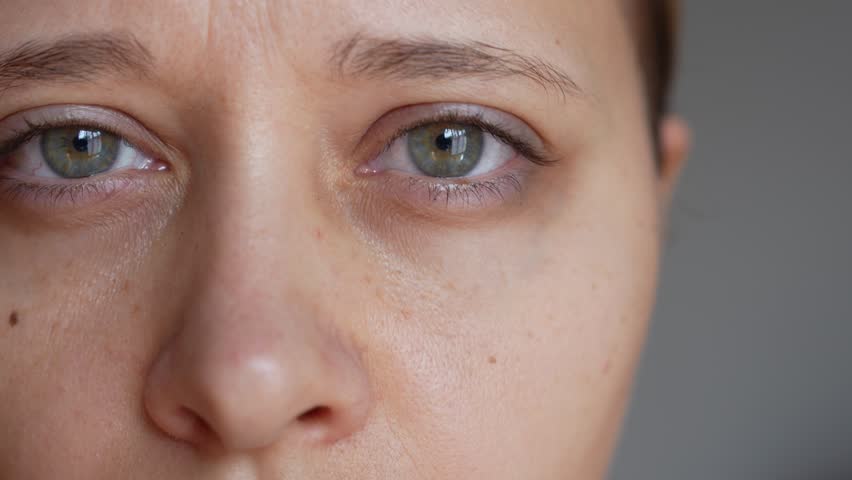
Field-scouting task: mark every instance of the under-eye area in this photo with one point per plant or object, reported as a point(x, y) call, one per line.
point(457, 157)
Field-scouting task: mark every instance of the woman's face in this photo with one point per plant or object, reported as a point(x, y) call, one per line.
point(320, 240)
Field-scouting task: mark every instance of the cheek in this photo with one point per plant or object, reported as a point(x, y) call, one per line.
point(502, 343)
point(73, 364)
point(519, 341)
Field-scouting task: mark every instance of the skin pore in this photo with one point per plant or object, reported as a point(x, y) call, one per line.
point(266, 289)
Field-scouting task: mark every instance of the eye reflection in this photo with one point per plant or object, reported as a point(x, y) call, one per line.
point(79, 152)
point(446, 150)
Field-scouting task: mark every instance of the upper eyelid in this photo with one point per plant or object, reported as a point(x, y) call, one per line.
point(523, 147)
point(503, 125)
point(22, 138)
point(115, 122)
point(141, 137)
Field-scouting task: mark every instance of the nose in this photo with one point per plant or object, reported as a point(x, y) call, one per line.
point(248, 370)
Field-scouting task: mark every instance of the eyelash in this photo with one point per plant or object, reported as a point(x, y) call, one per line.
point(54, 194)
point(467, 193)
point(524, 148)
point(34, 129)
point(446, 191)
point(451, 192)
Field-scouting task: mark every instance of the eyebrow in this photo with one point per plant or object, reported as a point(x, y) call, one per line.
point(83, 57)
point(432, 59)
point(74, 58)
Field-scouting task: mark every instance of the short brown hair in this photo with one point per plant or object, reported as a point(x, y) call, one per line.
point(656, 23)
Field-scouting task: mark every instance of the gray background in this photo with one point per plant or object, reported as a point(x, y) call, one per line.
point(748, 369)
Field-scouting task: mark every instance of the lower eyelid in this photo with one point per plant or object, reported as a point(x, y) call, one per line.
point(429, 197)
point(100, 201)
point(57, 195)
point(28, 184)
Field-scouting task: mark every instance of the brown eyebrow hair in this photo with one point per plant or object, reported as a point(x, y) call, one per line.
point(82, 57)
point(73, 58)
point(432, 59)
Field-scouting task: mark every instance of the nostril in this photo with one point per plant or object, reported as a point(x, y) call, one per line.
point(315, 415)
point(324, 425)
point(195, 428)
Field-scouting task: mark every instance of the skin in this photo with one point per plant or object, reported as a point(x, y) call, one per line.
point(260, 311)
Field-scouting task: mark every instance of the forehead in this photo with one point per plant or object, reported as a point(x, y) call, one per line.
point(231, 36)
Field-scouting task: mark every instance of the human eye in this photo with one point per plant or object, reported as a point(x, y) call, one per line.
point(460, 156)
point(63, 156)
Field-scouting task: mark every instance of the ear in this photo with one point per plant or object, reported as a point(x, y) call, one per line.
point(674, 147)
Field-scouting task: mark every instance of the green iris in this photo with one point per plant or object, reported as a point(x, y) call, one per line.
point(79, 152)
point(445, 149)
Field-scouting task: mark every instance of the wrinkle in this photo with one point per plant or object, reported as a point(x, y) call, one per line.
point(418, 468)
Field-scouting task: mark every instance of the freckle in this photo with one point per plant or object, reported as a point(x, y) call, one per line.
point(136, 308)
point(405, 314)
point(368, 280)
point(492, 359)
point(13, 319)
point(126, 287)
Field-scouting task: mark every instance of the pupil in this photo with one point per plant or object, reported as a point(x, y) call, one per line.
point(444, 142)
point(81, 142)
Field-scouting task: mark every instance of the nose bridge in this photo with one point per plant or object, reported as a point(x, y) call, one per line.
point(252, 189)
point(252, 201)
point(256, 353)
point(254, 129)
point(253, 182)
